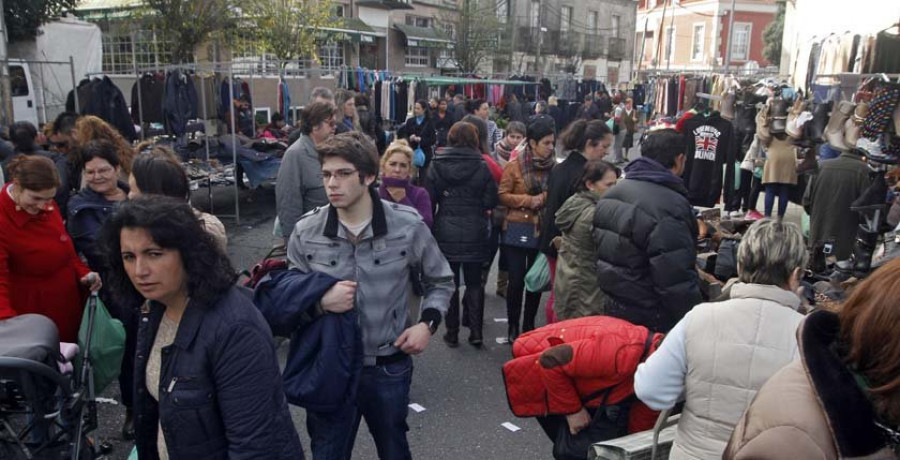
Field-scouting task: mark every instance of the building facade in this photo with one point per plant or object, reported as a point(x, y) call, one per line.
point(693, 34)
point(588, 38)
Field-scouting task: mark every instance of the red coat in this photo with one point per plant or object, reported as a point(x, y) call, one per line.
point(39, 269)
point(605, 353)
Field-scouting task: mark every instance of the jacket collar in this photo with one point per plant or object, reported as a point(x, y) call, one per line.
point(19, 217)
point(189, 324)
point(847, 409)
point(646, 170)
point(92, 198)
point(379, 221)
point(309, 147)
point(765, 292)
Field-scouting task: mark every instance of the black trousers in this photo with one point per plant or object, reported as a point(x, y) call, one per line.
point(518, 261)
point(741, 199)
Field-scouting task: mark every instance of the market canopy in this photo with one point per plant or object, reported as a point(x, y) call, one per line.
point(351, 29)
point(424, 36)
point(439, 81)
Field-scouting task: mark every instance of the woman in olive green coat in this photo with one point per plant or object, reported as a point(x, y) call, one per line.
point(576, 288)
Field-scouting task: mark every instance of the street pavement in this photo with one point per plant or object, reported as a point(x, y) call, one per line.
point(460, 389)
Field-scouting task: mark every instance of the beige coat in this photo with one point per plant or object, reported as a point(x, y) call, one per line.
point(214, 227)
point(781, 162)
point(514, 195)
point(794, 418)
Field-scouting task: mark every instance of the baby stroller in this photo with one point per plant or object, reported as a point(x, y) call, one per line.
point(45, 412)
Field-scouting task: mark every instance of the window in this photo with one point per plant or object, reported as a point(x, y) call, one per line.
point(338, 11)
point(122, 48)
point(697, 42)
point(593, 24)
point(17, 80)
point(670, 43)
point(535, 13)
point(331, 55)
point(418, 21)
point(740, 41)
point(450, 31)
point(616, 23)
point(417, 56)
point(565, 18)
point(503, 10)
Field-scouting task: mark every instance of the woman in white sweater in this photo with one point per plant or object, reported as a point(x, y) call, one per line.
point(720, 354)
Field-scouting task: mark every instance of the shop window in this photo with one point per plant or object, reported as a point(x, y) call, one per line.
point(697, 42)
point(740, 41)
point(417, 56)
point(565, 18)
point(331, 56)
point(122, 48)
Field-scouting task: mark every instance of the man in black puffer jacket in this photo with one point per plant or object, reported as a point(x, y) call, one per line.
point(645, 232)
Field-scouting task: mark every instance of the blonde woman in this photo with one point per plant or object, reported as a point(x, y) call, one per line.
point(396, 180)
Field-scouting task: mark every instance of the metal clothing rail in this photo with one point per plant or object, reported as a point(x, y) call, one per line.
point(443, 81)
point(71, 63)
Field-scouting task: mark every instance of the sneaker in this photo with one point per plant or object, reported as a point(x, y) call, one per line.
point(753, 215)
point(736, 215)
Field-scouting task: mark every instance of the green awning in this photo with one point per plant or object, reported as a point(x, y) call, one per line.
point(424, 36)
point(352, 30)
point(444, 81)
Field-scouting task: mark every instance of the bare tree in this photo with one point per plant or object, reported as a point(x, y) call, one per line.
point(477, 33)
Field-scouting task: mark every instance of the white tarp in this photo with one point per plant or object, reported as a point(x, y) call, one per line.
point(56, 42)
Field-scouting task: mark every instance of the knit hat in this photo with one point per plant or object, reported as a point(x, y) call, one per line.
point(540, 127)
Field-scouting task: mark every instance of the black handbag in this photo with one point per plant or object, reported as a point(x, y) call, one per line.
point(607, 422)
point(520, 235)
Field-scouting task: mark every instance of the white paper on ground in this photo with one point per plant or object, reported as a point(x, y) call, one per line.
point(107, 401)
point(510, 427)
point(502, 340)
point(501, 320)
point(416, 407)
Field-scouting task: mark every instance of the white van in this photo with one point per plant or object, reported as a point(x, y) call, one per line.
point(23, 93)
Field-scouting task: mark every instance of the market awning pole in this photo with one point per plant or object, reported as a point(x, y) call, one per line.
point(730, 35)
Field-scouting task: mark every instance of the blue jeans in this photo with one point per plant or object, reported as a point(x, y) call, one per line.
point(383, 399)
point(783, 192)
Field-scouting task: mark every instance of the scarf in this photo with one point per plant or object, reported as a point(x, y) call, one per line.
point(531, 162)
point(420, 119)
point(503, 151)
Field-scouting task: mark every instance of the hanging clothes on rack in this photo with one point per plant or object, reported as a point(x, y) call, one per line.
point(147, 106)
point(107, 102)
point(709, 153)
point(180, 102)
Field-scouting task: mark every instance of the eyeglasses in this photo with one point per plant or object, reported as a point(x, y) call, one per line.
point(99, 172)
point(339, 175)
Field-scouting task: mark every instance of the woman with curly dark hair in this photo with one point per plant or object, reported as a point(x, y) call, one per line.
point(207, 379)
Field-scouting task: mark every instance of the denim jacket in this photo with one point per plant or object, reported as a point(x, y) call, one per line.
point(396, 243)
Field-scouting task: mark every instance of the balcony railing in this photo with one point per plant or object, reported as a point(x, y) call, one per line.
point(616, 49)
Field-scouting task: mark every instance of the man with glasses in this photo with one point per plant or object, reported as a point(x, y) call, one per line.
point(375, 244)
point(298, 188)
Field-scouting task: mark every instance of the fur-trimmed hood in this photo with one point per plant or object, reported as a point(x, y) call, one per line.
point(848, 411)
point(812, 408)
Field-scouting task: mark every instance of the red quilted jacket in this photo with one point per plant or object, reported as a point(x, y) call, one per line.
point(605, 353)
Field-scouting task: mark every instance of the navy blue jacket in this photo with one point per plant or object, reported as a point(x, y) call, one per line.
point(220, 389)
point(86, 213)
point(326, 354)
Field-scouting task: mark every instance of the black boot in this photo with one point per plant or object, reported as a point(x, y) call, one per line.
point(863, 249)
point(512, 332)
point(452, 321)
point(531, 308)
point(512, 315)
point(474, 306)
